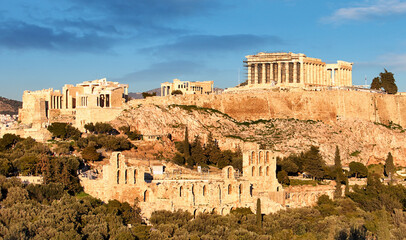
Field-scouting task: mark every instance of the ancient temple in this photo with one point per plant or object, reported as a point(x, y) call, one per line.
point(296, 70)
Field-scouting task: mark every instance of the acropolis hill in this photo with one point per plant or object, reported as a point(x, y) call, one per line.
point(329, 105)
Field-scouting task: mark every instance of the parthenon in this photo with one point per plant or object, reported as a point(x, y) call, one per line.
point(296, 70)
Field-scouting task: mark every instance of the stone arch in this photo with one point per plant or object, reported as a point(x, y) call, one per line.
point(230, 189)
point(214, 211)
point(204, 211)
point(193, 194)
point(222, 211)
point(125, 176)
point(146, 195)
point(251, 189)
point(267, 157)
point(194, 213)
point(267, 171)
point(229, 173)
point(253, 171)
point(118, 177)
point(118, 160)
point(261, 157)
point(252, 158)
point(260, 171)
point(180, 191)
point(204, 190)
point(135, 176)
point(219, 193)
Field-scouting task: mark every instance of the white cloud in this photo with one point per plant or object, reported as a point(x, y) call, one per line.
point(369, 10)
point(393, 61)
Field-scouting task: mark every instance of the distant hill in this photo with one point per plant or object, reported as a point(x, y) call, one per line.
point(138, 95)
point(8, 106)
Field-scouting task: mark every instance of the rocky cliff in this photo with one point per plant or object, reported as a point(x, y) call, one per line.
point(305, 105)
point(359, 140)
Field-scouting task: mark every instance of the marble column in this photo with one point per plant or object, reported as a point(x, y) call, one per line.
point(279, 72)
point(264, 73)
point(287, 80)
point(294, 72)
point(255, 73)
point(270, 72)
point(301, 80)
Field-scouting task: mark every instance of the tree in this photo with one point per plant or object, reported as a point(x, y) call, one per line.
point(358, 169)
point(90, 127)
point(147, 94)
point(376, 84)
point(64, 131)
point(283, 177)
point(389, 166)
point(339, 176)
point(197, 153)
point(89, 153)
point(314, 163)
point(385, 81)
point(177, 92)
point(186, 144)
point(259, 213)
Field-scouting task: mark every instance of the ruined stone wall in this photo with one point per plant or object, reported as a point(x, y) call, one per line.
point(217, 193)
point(304, 105)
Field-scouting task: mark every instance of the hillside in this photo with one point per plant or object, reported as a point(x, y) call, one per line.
point(8, 106)
point(358, 140)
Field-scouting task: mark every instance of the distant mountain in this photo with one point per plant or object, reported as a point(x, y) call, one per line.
point(138, 95)
point(8, 106)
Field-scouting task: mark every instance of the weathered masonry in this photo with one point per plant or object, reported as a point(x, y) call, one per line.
point(296, 70)
point(90, 101)
point(196, 192)
point(186, 87)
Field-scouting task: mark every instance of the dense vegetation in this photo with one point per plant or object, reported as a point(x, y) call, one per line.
point(385, 81)
point(198, 154)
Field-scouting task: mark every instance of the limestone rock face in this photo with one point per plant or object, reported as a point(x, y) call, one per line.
point(358, 140)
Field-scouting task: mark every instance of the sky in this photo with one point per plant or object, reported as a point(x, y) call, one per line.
point(47, 43)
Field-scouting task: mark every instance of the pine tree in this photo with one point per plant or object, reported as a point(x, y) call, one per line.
point(259, 213)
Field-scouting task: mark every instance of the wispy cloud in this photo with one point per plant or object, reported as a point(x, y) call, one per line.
point(206, 44)
point(394, 61)
point(20, 35)
point(368, 10)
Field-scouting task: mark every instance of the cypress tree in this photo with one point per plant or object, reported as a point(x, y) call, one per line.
point(186, 145)
point(389, 166)
point(259, 213)
point(339, 173)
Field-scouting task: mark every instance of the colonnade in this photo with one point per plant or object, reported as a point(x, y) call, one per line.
point(299, 74)
point(56, 102)
point(308, 73)
point(340, 76)
point(103, 100)
point(165, 90)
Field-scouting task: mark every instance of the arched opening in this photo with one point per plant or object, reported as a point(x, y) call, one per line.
point(267, 158)
point(125, 177)
point(267, 171)
point(230, 189)
point(135, 176)
point(251, 190)
point(67, 99)
point(260, 171)
point(239, 192)
point(146, 195)
point(228, 173)
point(219, 193)
point(253, 171)
point(204, 190)
point(261, 157)
point(118, 160)
point(180, 191)
point(194, 213)
point(193, 194)
point(118, 177)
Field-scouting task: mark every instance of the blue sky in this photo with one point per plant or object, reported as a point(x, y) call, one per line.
point(47, 43)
